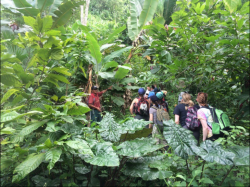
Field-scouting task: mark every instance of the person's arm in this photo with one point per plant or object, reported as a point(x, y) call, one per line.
point(204, 128)
point(177, 119)
point(131, 107)
point(94, 107)
point(151, 118)
point(109, 88)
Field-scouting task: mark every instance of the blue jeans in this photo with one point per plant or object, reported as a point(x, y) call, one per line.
point(95, 115)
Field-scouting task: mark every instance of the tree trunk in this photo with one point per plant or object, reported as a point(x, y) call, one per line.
point(84, 14)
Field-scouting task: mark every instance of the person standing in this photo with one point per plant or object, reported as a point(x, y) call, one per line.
point(180, 113)
point(140, 106)
point(94, 103)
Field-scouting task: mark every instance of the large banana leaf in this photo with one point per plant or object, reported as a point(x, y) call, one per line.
point(181, 140)
point(138, 147)
point(168, 10)
point(54, 6)
point(42, 4)
point(64, 13)
point(24, 7)
point(133, 27)
point(214, 152)
point(115, 54)
point(142, 170)
point(27, 166)
point(109, 129)
point(111, 36)
point(94, 48)
point(104, 155)
point(147, 13)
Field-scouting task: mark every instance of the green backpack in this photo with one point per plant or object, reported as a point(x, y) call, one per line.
point(220, 120)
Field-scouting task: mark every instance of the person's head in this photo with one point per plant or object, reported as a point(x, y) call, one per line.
point(202, 98)
point(141, 92)
point(152, 87)
point(156, 90)
point(151, 94)
point(154, 99)
point(159, 95)
point(148, 88)
point(186, 99)
point(94, 89)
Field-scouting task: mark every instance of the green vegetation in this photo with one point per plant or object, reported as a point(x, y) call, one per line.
point(49, 61)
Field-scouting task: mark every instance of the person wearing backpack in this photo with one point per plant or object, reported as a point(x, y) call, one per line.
point(157, 116)
point(186, 115)
point(161, 101)
point(212, 120)
point(140, 106)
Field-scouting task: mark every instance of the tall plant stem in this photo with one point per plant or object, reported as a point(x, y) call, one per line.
point(90, 175)
point(202, 169)
point(73, 169)
point(226, 176)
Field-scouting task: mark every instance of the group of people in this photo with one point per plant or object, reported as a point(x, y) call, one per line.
point(150, 105)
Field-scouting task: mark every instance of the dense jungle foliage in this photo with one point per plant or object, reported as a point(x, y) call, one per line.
point(49, 61)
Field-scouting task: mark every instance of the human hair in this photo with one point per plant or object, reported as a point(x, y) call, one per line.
point(202, 98)
point(186, 99)
point(155, 102)
point(153, 86)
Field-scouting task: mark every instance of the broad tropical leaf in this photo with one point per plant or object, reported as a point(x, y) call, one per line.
point(54, 6)
point(61, 70)
point(24, 7)
point(241, 157)
point(142, 170)
point(168, 10)
point(122, 71)
point(148, 11)
point(27, 166)
point(9, 93)
point(14, 115)
point(94, 48)
point(7, 130)
point(181, 140)
point(80, 145)
point(214, 152)
point(42, 181)
point(115, 54)
point(133, 27)
point(64, 12)
point(118, 100)
point(53, 155)
point(231, 5)
point(112, 36)
point(104, 155)
point(133, 125)
point(109, 129)
point(138, 147)
point(43, 4)
point(27, 130)
point(145, 132)
point(10, 80)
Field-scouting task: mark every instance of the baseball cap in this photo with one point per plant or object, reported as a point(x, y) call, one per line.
point(157, 90)
point(151, 94)
point(154, 98)
point(141, 91)
point(159, 95)
point(94, 88)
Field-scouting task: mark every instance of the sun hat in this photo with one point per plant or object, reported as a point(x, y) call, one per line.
point(141, 91)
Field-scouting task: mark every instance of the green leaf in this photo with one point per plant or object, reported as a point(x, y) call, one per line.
point(138, 147)
point(27, 166)
point(133, 27)
point(111, 36)
point(7, 130)
point(6, 163)
point(109, 129)
point(53, 33)
point(9, 93)
point(214, 152)
point(118, 100)
point(56, 54)
point(53, 155)
point(94, 48)
point(80, 145)
point(14, 115)
point(111, 64)
point(82, 169)
point(168, 10)
point(26, 8)
point(145, 132)
point(231, 5)
point(181, 140)
point(58, 77)
point(122, 71)
point(241, 155)
point(206, 181)
point(43, 4)
point(27, 130)
point(10, 80)
point(106, 75)
point(64, 12)
point(116, 54)
point(104, 155)
point(106, 46)
point(78, 110)
point(148, 11)
point(142, 170)
point(47, 23)
point(54, 6)
point(133, 125)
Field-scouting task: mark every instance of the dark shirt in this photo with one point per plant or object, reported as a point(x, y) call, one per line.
point(181, 112)
point(197, 106)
